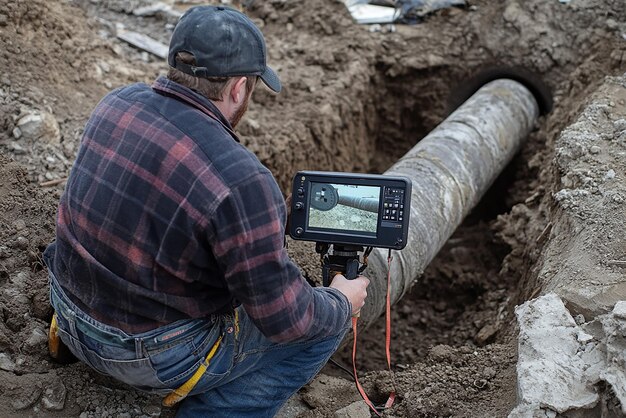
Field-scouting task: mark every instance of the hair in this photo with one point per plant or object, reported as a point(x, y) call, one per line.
point(212, 88)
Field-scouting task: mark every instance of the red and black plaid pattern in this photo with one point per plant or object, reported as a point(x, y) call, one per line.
point(166, 216)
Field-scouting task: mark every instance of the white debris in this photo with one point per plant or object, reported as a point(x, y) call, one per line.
point(6, 363)
point(151, 9)
point(367, 13)
point(619, 311)
point(583, 337)
point(40, 125)
point(609, 175)
point(561, 362)
point(144, 42)
point(614, 326)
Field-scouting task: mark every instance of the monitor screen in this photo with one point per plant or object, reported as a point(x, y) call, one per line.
point(344, 207)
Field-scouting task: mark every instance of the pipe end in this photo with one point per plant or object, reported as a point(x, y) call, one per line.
point(530, 80)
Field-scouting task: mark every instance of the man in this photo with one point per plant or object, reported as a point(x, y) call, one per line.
point(169, 248)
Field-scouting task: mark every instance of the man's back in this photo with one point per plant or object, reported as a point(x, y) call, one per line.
point(134, 219)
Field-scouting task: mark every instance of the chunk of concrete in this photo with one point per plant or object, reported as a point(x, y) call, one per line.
point(6, 363)
point(37, 125)
point(54, 396)
point(561, 363)
point(614, 326)
point(554, 369)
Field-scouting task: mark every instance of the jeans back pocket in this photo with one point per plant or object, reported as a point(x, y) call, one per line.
point(176, 361)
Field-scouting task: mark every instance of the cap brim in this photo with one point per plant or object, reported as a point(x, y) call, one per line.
point(270, 78)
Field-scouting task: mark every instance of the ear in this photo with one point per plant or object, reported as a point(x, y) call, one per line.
point(238, 90)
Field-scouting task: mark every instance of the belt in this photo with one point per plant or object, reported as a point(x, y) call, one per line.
point(87, 328)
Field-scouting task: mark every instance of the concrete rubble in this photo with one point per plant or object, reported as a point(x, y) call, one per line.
point(562, 365)
point(38, 125)
point(568, 365)
point(54, 396)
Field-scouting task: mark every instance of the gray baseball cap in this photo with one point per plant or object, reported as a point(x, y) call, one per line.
point(224, 42)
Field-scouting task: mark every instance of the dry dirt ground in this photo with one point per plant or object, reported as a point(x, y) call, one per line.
point(354, 100)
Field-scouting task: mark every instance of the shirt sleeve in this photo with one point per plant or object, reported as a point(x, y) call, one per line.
point(247, 240)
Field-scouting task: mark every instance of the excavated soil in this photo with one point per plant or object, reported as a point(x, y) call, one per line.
point(354, 100)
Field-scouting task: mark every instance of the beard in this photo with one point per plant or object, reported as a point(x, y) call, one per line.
point(241, 110)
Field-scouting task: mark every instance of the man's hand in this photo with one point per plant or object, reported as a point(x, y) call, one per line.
point(355, 290)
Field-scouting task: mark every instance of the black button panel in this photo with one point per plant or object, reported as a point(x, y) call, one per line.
point(393, 204)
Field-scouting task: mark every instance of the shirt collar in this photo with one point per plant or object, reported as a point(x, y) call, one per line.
point(168, 87)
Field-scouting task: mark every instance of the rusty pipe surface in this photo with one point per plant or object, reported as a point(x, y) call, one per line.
point(451, 169)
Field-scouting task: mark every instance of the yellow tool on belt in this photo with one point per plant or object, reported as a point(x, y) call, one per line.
point(53, 338)
point(58, 351)
point(180, 393)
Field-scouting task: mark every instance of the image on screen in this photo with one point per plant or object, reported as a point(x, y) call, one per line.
point(344, 207)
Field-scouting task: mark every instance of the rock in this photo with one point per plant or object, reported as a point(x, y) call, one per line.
point(21, 243)
point(37, 339)
point(579, 319)
point(21, 279)
point(489, 373)
point(6, 363)
point(614, 327)
point(27, 399)
point(612, 24)
point(551, 371)
point(609, 175)
point(17, 133)
point(4, 19)
point(486, 334)
point(583, 337)
point(152, 410)
point(19, 224)
point(17, 148)
point(595, 149)
point(620, 310)
point(358, 409)
point(54, 396)
point(40, 125)
point(442, 352)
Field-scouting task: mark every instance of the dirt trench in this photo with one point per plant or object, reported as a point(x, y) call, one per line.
point(354, 100)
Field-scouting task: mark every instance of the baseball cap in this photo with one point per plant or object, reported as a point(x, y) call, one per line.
point(224, 42)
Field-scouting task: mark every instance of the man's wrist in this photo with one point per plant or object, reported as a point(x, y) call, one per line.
point(347, 304)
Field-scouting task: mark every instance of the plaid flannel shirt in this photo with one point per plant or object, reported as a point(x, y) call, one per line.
point(166, 216)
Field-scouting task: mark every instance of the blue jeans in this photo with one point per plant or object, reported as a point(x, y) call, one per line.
point(249, 376)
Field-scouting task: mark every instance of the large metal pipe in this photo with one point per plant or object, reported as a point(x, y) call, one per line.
point(369, 205)
point(451, 169)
